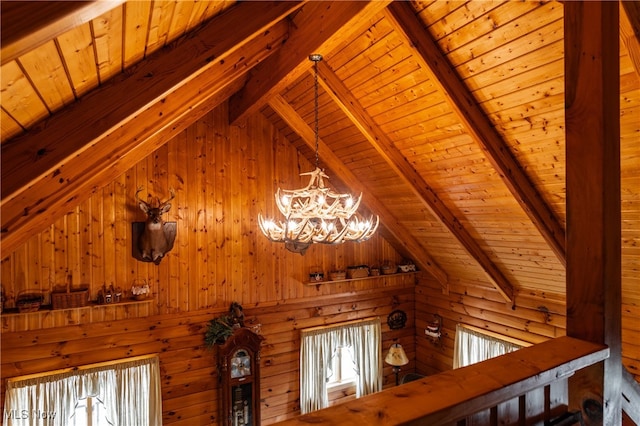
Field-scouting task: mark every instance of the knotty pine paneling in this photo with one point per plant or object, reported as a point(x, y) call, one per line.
point(537, 316)
point(189, 376)
point(223, 176)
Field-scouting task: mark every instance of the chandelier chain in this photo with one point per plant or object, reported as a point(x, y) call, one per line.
point(315, 66)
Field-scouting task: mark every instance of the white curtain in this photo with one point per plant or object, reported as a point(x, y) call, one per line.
point(471, 346)
point(317, 348)
point(130, 392)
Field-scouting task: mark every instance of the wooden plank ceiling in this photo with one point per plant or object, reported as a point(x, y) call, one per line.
point(448, 115)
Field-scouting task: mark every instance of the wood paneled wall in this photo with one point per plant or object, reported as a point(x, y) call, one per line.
point(190, 386)
point(223, 176)
point(536, 317)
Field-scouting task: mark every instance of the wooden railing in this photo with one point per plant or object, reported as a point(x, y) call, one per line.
point(454, 395)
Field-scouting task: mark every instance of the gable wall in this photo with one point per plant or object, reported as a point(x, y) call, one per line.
point(223, 176)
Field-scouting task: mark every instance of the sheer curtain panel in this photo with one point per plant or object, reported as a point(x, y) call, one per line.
point(471, 346)
point(129, 390)
point(317, 348)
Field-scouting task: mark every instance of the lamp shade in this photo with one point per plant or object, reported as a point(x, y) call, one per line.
point(396, 356)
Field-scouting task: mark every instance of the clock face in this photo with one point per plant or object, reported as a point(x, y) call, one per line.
point(240, 364)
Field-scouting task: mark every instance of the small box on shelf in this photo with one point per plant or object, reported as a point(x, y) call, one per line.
point(65, 296)
point(316, 274)
point(337, 275)
point(71, 298)
point(388, 268)
point(29, 301)
point(358, 271)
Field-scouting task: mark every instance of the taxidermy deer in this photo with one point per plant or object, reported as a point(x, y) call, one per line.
point(154, 241)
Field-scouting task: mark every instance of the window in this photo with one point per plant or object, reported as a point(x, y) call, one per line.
point(120, 393)
point(343, 367)
point(324, 348)
point(89, 412)
point(473, 345)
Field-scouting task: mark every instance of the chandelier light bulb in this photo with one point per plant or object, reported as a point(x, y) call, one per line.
point(348, 202)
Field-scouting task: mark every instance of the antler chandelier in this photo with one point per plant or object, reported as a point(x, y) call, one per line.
point(315, 213)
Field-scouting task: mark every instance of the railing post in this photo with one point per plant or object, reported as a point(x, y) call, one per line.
point(522, 410)
point(592, 119)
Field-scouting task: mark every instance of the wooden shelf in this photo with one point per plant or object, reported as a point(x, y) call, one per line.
point(48, 308)
point(370, 277)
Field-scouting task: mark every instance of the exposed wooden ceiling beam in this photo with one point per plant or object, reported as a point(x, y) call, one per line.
point(297, 123)
point(28, 24)
point(407, 25)
point(319, 27)
point(630, 30)
point(49, 170)
point(398, 162)
point(631, 10)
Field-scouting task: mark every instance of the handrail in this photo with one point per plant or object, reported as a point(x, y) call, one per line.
point(455, 394)
point(630, 396)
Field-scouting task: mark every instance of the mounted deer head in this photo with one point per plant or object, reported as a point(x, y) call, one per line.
point(154, 242)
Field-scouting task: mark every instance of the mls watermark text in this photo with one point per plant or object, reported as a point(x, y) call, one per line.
point(29, 414)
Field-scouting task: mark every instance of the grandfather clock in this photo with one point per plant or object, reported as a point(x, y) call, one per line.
point(239, 370)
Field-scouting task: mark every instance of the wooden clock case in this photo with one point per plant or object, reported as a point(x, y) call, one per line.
point(239, 373)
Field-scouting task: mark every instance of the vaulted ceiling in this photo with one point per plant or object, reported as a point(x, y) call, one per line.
point(448, 115)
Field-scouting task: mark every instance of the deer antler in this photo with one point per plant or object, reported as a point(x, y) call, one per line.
point(140, 188)
point(173, 195)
